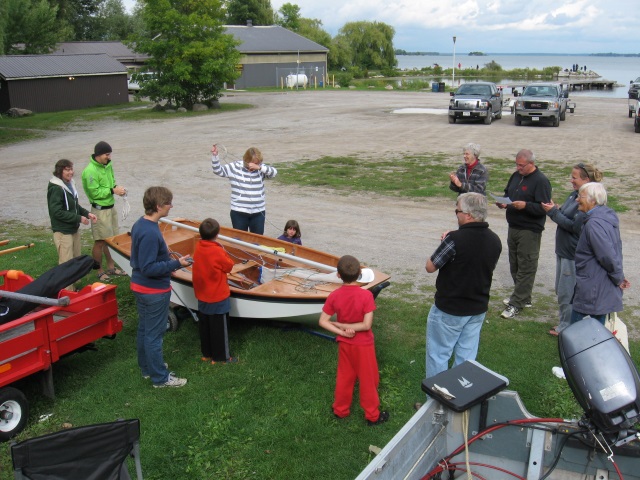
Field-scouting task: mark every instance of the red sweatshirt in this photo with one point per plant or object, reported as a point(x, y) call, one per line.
point(210, 267)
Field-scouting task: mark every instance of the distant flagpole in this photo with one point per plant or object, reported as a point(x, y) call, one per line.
point(453, 79)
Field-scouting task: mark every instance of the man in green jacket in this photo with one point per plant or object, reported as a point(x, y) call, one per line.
point(99, 185)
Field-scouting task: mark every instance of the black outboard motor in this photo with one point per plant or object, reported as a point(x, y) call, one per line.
point(603, 379)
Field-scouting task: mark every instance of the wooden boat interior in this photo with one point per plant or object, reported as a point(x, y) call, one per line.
point(257, 272)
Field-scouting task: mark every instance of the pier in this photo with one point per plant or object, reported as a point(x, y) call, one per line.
point(573, 84)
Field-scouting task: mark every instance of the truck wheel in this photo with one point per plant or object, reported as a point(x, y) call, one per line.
point(14, 411)
point(563, 115)
point(636, 125)
point(499, 114)
point(630, 113)
point(488, 118)
point(517, 120)
point(452, 119)
point(556, 122)
point(571, 110)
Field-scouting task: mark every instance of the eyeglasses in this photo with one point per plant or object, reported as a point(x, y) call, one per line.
point(167, 204)
point(459, 211)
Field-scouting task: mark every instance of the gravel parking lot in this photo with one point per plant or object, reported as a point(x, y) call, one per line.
point(392, 234)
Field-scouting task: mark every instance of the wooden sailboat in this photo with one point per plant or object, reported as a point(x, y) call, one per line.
point(271, 279)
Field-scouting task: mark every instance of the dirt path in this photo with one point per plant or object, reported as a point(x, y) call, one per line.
point(393, 234)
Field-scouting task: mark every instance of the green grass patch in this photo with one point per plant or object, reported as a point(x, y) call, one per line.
point(13, 130)
point(419, 176)
point(269, 415)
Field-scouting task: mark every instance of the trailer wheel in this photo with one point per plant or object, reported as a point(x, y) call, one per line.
point(172, 321)
point(14, 411)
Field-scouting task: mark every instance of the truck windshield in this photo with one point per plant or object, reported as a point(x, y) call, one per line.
point(474, 90)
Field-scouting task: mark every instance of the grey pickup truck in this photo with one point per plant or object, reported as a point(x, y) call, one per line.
point(477, 100)
point(543, 102)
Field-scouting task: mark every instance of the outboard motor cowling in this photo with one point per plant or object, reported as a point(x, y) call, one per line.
point(602, 377)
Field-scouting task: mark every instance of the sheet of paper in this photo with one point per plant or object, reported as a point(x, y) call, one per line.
point(505, 200)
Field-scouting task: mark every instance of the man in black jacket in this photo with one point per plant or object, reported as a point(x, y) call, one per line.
point(527, 189)
point(466, 259)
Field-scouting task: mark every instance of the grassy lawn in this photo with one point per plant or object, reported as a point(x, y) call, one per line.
point(397, 177)
point(14, 130)
point(269, 415)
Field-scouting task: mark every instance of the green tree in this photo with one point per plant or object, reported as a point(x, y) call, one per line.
point(311, 28)
point(190, 54)
point(340, 54)
point(112, 21)
point(81, 16)
point(259, 12)
point(30, 27)
point(371, 44)
point(289, 17)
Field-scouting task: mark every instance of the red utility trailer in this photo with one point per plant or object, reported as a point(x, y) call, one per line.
point(32, 343)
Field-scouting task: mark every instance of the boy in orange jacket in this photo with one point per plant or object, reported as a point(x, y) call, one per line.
point(354, 308)
point(211, 263)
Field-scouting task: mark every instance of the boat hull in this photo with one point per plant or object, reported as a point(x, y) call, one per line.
point(287, 297)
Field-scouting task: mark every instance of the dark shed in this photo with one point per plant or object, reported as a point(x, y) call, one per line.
point(51, 83)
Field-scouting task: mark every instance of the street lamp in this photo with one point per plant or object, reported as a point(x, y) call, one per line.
point(453, 80)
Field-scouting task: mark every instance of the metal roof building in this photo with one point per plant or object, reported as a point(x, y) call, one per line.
point(50, 83)
point(114, 49)
point(270, 53)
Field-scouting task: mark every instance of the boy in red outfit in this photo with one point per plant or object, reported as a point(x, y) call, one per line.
point(354, 307)
point(211, 263)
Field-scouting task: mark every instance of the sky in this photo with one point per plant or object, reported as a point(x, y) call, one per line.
point(489, 26)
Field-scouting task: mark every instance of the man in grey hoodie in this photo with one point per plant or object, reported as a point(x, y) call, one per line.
point(599, 276)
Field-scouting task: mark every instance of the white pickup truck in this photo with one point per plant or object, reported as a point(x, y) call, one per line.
point(543, 102)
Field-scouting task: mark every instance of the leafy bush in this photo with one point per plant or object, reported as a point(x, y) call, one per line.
point(493, 65)
point(344, 78)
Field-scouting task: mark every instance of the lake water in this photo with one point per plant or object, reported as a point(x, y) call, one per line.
point(620, 69)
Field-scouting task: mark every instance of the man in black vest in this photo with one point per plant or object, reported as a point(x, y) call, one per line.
point(466, 259)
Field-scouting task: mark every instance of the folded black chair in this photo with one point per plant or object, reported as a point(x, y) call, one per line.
point(92, 452)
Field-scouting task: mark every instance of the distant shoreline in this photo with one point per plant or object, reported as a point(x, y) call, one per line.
point(423, 54)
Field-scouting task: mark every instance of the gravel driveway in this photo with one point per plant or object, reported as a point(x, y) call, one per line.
point(392, 234)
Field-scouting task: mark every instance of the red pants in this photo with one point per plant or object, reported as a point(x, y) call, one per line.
point(357, 362)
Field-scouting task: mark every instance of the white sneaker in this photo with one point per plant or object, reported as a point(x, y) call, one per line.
point(526, 305)
point(510, 312)
point(559, 372)
point(172, 382)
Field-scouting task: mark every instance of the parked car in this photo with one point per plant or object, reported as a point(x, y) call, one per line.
point(543, 102)
point(135, 80)
point(634, 88)
point(478, 100)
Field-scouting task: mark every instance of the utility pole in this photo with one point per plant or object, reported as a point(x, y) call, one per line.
point(453, 79)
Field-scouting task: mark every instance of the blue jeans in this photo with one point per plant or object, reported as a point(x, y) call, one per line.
point(248, 222)
point(447, 334)
point(153, 310)
point(577, 316)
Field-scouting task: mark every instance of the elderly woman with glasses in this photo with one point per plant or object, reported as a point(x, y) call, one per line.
point(569, 221)
point(599, 276)
point(472, 176)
